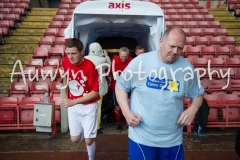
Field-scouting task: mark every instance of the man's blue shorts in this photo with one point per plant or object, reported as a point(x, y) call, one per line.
point(138, 151)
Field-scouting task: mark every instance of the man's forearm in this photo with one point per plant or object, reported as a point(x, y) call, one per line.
point(90, 96)
point(197, 102)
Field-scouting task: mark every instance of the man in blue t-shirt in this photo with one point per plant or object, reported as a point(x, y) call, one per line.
point(158, 81)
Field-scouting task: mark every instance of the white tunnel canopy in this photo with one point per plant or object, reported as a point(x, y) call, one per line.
point(143, 21)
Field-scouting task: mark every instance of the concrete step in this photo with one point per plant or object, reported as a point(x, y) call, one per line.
point(230, 25)
point(213, 12)
point(237, 38)
point(23, 39)
point(4, 91)
point(27, 34)
point(16, 50)
point(19, 46)
point(232, 32)
point(8, 59)
point(217, 17)
point(34, 18)
point(35, 23)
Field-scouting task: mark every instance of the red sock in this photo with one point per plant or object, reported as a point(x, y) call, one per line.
point(117, 114)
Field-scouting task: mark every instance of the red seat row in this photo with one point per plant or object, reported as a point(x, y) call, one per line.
point(205, 31)
point(211, 52)
point(214, 62)
point(180, 6)
point(210, 41)
point(15, 5)
point(194, 24)
point(188, 17)
point(185, 11)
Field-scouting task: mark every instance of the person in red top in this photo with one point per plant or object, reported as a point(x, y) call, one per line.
point(81, 84)
point(119, 63)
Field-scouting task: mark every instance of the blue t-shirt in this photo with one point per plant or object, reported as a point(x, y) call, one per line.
point(157, 97)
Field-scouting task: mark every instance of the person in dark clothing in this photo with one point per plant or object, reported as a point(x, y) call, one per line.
point(237, 146)
point(201, 118)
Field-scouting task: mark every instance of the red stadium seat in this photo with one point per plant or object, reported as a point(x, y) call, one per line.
point(5, 10)
point(40, 52)
point(223, 52)
point(200, 62)
point(200, 40)
point(168, 24)
point(195, 31)
point(55, 88)
point(76, 1)
point(18, 88)
point(35, 62)
point(51, 62)
point(68, 18)
point(51, 32)
point(31, 99)
point(208, 32)
point(73, 6)
point(217, 62)
point(167, 6)
point(10, 16)
point(182, 11)
point(198, 6)
point(190, 24)
point(234, 85)
point(178, 24)
point(29, 71)
point(25, 1)
point(62, 11)
point(9, 5)
point(223, 71)
point(164, 1)
point(188, 6)
point(208, 17)
point(235, 51)
point(174, 17)
point(214, 24)
point(178, 6)
point(203, 11)
point(58, 17)
point(70, 11)
point(202, 24)
point(192, 52)
point(219, 86)
point(207, 52)
point(47, 40)
point(197, 17)
point(46, 71)
point(65, 24)
point(193, 11)
point(8, 114)
point(184, 1)
point(189, 41)
point(25, 6)
point(64, 6)
point(170, 11)
point(55, 24)
point(56, 51)
point(66, 1)
point(232, 62)
point(174, 1)
point(61, 32)
point(185, 17)
point(230, 41)
point(215, 41)
point(59, 41)
point(20, 11)
point(39, 88)
point(186, 30)
point(210, 97)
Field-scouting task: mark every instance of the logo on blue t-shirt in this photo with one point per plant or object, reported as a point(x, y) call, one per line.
point(163, 84)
